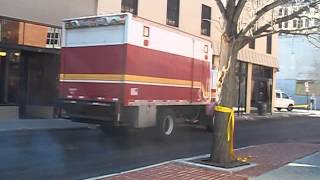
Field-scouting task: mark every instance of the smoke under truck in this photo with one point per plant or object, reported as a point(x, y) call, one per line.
point(127, 71)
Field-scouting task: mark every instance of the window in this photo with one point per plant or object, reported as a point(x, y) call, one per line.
point(280, 12)
point(294, 23)
point(286, 24)
point(285, 11)
point(316, 22)
point(300, 23)
point(130, 6)
point(280, 25)
point(306, 23)
point(285, 96)
point(53, 38)
point(252, 44)
point(173, 12)
point(206, 20)
point(146, 31)
point(269, 44)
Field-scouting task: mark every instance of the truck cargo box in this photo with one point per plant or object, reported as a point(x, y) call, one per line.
point(133, 60)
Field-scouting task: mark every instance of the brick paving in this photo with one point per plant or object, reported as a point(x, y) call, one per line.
point(266, 157)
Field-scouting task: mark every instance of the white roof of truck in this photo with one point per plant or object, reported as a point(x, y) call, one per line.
point(144, 20)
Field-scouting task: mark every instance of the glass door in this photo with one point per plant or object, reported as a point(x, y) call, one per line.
point(9, 78)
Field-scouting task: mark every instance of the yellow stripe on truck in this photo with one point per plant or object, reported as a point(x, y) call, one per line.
point(128, 78)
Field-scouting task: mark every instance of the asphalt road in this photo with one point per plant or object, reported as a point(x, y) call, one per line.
point(79, 154)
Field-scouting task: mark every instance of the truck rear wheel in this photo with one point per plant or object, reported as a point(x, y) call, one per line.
point(166, 123)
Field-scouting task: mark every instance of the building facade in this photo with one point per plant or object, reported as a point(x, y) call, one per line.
point(307, 19)
point(257, 64)
point(30, 34)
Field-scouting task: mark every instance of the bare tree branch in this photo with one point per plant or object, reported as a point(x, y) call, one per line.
point(259, 14)
point(314, 39)
point(243, 41)
point(221, 9)
point(292, 32)
point(239, 8)
point(284, 18)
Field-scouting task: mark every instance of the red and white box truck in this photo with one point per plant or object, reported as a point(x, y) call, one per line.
point(127, 70)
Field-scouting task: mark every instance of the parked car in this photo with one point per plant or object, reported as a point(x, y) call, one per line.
point(283, 101)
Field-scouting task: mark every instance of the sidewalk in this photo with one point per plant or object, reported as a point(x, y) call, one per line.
point(281, 114)
point(269, 161)
point(39, 124)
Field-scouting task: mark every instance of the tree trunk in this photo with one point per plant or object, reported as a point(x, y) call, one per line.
point(226, 88)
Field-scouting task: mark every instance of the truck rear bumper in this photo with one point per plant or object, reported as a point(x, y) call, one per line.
point(87, 111)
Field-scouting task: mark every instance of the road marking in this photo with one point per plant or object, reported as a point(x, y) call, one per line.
point(302, 165)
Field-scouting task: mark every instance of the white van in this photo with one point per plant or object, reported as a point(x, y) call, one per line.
point(283, 101)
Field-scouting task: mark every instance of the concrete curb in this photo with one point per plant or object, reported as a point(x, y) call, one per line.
point(42, 129)
point(182, 160)
point(40, 125)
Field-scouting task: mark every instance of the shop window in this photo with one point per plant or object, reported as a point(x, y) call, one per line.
point(54, 38)
point(206, 20)
point(173, 8)
point(1, 30)
point(241, 85)
point(130, 6)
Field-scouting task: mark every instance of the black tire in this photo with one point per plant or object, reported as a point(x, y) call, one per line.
point(279, 109)
point(290, 108)
point(166, 123)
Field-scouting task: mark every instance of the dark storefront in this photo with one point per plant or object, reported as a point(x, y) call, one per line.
point(29, 65)
point(261, 86)
point(241, 80)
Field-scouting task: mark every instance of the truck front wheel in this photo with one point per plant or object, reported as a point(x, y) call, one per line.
point(166, 123)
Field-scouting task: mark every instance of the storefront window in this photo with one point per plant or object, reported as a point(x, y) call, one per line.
point(241, 79)
point(9, 77)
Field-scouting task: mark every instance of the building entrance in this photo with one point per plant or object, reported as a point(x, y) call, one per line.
point(28, 83)
point(261, 86)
